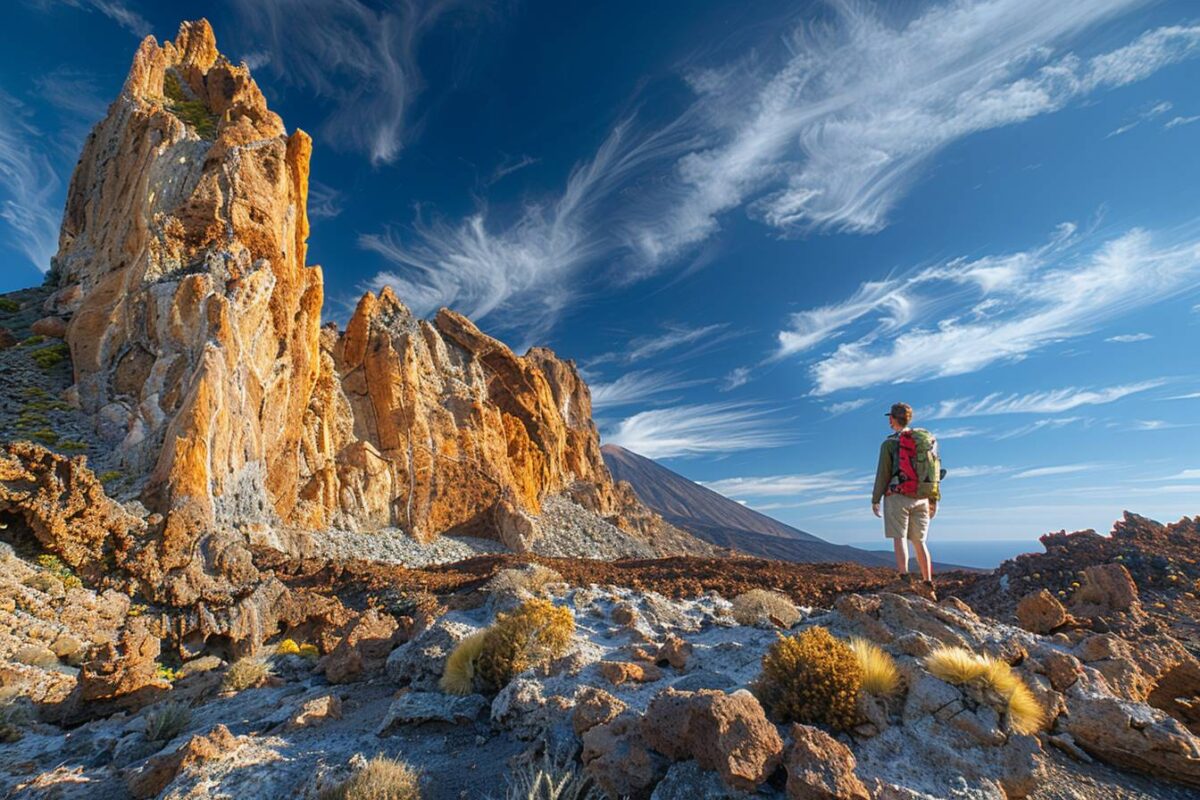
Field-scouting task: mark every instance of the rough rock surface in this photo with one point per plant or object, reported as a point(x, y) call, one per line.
point(1041, 612)
point(820, 767)
point(728, 733)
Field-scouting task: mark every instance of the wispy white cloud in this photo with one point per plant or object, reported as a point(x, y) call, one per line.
point(737, 377)
point(29, 186)
point(636, 387)
point(1188, 396)
point(510, 165)
point(1062, 469)
point(1175, 122)
point(1157, 425)
point(1129, 338)
point(978, 471)
point(692, 430)
point(794, 485)
point(975, 313)
point(119, 12)
point(847, 406)
point(360, 59)
point(849, 118)
point(324, 202)
point(1054, 401)
point(826, 133)
point(530, 268)
point(1050, 423)
point(960, 433)
point(1155, 110)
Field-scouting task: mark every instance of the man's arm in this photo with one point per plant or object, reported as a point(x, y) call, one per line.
point(883, 472)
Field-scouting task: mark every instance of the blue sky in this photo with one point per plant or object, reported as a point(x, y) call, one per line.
point(754, 226)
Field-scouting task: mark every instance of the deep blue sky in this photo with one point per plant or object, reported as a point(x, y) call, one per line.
point(753, 225)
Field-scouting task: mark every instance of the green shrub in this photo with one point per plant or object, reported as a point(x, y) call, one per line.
point(50, 357)
point(167, 673)
point(531, 635)
point(45, 436)
point(72, 446)
point(193, 112)
point(9, 306)
point(812, 678)
point(33, 341)
point(61, 572)
point(34, 393)
point(762, 607)
point(383, 779)
point(246, 673)
point(166, 721)
point(109, 477)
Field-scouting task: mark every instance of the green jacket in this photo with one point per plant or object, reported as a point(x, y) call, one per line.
point(884, 470)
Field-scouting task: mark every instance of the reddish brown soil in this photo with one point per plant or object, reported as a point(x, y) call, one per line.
point(807, 584)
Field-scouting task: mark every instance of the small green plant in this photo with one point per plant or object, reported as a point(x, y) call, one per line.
point(109, 477)
point(169, 674)
point(246, 673)
point(382, 779)
point(458, 676)
point(137, 610)
point(309, 651)
point(166, 721)
point(45, 436)
point(531, 635)
point(34, 392)
point(812, 678)
point(50, 357)
point(762, 607)
point(9, 306)
point(33, 341)
point(880, 676)
point(60, 571)
point(194, 112)
point(961, 667)
point(550, 780)
point(72, 446)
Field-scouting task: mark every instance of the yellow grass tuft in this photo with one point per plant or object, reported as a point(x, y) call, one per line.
point(287, 647)
point(382, 779)
point(880, 676)
point(458, 677)
point(958, 665)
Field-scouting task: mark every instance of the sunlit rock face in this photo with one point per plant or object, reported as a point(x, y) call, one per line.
point(198, 349)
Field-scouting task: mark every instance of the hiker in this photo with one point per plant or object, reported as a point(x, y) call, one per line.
point(907, 481)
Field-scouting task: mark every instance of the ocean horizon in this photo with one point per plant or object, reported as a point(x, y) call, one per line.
point(977, 553)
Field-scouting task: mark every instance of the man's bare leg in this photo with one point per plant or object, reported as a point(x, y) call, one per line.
point(901, 555)
point(923, 560)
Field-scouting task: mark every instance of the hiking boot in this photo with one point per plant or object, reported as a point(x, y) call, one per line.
point(907, 578)
point(929, 588)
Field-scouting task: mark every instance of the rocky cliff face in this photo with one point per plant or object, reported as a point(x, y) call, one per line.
point(195, 336)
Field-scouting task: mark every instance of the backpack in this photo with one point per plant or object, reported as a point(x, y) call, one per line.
point(917, 469)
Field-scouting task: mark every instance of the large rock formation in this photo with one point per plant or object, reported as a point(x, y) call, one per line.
point(195, 336)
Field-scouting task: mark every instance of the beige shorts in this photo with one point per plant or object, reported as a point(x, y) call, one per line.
point(905, 517)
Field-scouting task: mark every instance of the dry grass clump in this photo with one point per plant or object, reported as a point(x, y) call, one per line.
point(246, 673)
point(763, 607)
point(287, 647)
point(458, 676)
point(550, 780)
point(879, 674)
point(960, 666)
point(811, 678)
point(383, 779)
point(532, 634)
point(166, 721)
point(531, 578)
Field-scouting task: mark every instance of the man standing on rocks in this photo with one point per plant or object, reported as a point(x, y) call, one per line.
point(907, 482)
